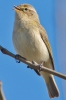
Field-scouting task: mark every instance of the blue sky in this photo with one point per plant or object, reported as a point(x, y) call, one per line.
point(18, 81)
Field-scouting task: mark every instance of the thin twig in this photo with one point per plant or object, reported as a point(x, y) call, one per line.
point(31, 65)
point(2, 97)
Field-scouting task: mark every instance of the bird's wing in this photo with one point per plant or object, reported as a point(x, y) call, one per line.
point(46, 41)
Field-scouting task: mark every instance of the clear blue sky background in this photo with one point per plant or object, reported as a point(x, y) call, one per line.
point(20, 83)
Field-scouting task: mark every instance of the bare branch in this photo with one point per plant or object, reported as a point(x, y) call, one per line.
point(1, 92)
point(31, 65)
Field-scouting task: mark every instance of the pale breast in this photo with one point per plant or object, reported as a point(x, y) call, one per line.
point(30, 45)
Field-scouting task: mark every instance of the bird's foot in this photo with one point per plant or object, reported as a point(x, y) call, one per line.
point(37, 71)
point(17, 56)
point(40, 66)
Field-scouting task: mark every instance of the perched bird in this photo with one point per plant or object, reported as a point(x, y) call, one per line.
point(31, 42)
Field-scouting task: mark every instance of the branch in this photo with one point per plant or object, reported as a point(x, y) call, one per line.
point(1, 92)
point(31, 65)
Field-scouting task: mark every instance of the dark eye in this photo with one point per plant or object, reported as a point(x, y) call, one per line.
point(26, 9)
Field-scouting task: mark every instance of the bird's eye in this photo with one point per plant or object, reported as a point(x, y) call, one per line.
point(26, 9)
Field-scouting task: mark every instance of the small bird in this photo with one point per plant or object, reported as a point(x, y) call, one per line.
point(31, 42)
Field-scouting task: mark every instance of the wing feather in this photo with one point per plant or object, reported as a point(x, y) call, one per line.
point(46, 41)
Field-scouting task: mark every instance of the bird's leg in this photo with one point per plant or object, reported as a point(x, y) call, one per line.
point(40, 66)
point(37, 71)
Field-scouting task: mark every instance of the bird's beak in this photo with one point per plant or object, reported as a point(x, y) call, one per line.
point(16, 8)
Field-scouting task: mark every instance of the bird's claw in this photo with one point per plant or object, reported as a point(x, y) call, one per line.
point(17, 57)
point(37, 71)
point(40, 66)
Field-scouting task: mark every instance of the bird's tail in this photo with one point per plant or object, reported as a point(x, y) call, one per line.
point(52, 88)
point(51, 85)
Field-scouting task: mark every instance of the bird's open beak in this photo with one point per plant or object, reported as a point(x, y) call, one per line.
point(16, 8)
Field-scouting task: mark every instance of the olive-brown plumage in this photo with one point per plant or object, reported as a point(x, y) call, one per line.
point(31, 41)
